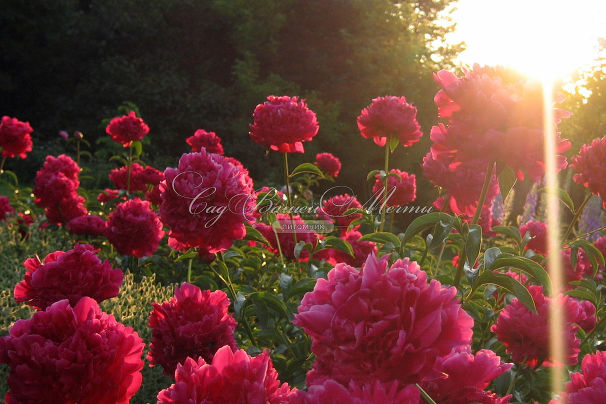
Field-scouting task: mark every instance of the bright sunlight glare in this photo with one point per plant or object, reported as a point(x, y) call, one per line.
point(541, 38)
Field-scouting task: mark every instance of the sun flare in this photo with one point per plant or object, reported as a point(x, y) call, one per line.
point(538, 37)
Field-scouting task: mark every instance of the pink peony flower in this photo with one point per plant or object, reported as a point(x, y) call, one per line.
point(134, 229)
point(493, 114)
point(15, 139)
point(465, 376)
point(375, 392)
point(575, 273)
point(206, 201)
point(362, 249)
point(65, 211)
point(390, 117)
point(381, 323)
point(334, 208)
point(328, 163)
point(401, 188)
point(139, 177)
point(127, 129)
point(5, 207)
point(89, 225)
point(193, 323)
point(285, 237)
point(590, 168)
point(538, 231)
point(232, 377)
point(461, 182)
point(154, 196)
point(108, 195)
point(56, 180)
point(72, 355)
point(283, 124)
point(588, 386)
point(526, 334)
point(207, 140)
point(68, 275)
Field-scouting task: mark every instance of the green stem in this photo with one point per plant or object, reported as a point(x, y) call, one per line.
point(576, 216)
point(289, 198)
point(130, 163)
point(279, 245)
point(425, 396)
point(191, 260)
point(487, 178)
point(78, 152)
point(2, 164)
point(585, 235)
point(384, 205)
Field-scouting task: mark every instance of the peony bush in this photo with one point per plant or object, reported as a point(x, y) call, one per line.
point(195, 283)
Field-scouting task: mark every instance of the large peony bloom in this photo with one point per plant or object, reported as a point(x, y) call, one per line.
point(5, 207)
point(68, 275)
point(206, 201)
point(67, 210)
point(588, 386)
point(401, 188)
point(89, 225)
point(381, 323)
point(589, 165)
point(72, 355)
point(140, 177)
point(285, 236)
point(127, 129)
point(232, 377)
point(328, 163)
point(15, 138)
point(465, 376)
point(461, 182)
point(538, 231)
point(493, 114)
point(193, 323)
point(208, 141)
point(390, 117)
point(362, 249)
point(334, 208)
point(367, 393)
point(526, 334)
point(134, 229)
point(283, 124)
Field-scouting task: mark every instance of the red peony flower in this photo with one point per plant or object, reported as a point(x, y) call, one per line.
point(538, 231)
point(334, 208)
point(206, 201)
point(154, 196)
point(193, 323)
point(207, 140)
point(68, 275)
point(232, 377)
point(72, 355)
point(56, 180)
point(108, 195)
point(589, 164)
point(526, 334)
point(139, 177)
point(127, 129)
point(365, 324)
point(367, 393)
point(465, 376)
point(588, 386)
point(462, 182)
point(493, 114)
point(285, 236)
point(68, 209)
point(89, 225)
point(5, 207)
point(328, 163)
point(575, 273)
point(15, 139)
point(134, 229)
point(390, 117)
point(362, 249)
point(283, 124)
point(401, 188)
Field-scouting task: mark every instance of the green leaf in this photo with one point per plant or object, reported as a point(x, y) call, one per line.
point(490, 255)
point(383, 238)
point(593, 253)
point(562, 196)
point(255, 235)
point(473, 245)
point(442, 231)
point(510, 285)
point(426, 221)
point(536, 271)
point(581, 294)
point(120, 159)
point(191, 254)
point(393, 143)
point(306, 168)
point(510, 231)
point(138, 148)
point(507, 179)
point(372, 174)
point(302, 245)
point(10, 174)
point(338, 244)
point(270, 301)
